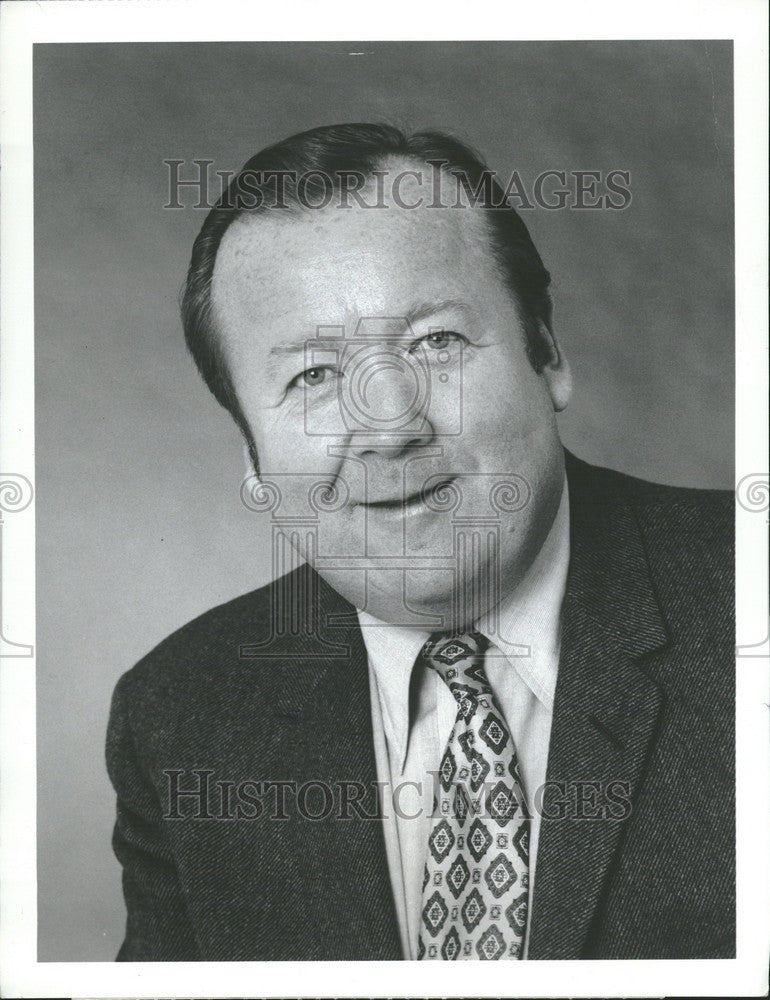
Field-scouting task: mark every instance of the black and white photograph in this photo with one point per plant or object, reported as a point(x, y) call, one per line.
point(381, 419)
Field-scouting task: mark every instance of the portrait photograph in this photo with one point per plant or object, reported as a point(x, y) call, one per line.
point(387, 413)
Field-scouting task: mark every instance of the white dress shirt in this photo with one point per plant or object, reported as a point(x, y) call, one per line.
point(413, 715)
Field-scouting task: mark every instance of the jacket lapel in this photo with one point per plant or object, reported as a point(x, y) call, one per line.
point(322, 707)
point(605, 712)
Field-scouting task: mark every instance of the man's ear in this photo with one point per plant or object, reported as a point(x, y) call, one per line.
point(556, 370)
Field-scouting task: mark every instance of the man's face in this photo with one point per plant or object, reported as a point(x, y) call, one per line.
point(379, 353)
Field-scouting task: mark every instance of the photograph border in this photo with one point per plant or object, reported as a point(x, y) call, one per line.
point(23, 25)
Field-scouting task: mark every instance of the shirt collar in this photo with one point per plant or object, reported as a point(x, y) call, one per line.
point(524, 628)
point(392, 651)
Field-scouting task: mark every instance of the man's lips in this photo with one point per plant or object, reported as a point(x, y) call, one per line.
point(406, 506)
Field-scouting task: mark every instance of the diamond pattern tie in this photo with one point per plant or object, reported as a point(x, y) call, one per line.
point(475, 886)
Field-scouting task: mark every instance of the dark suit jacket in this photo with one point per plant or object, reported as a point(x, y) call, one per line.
point(645, 696)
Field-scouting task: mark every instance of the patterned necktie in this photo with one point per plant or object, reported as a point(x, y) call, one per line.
point(475, 887)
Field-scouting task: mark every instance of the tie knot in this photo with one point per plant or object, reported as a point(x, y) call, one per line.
point(459, 660)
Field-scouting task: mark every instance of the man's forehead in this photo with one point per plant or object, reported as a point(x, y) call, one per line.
point(333, 265)
point(345, 228)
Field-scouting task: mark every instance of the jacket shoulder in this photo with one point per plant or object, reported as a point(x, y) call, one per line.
point(688, 519)
point(714, 505)
point(694, 512)
point(204, 650)
point(687, 534)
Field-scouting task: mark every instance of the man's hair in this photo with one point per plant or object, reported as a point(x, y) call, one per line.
point(324, 157)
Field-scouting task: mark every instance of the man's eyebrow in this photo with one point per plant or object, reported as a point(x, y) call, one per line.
point(424, 310)
point(280, 351)
point(415, 313)
point(299, 347)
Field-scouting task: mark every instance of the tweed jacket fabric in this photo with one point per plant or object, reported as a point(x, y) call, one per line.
point(273, 686)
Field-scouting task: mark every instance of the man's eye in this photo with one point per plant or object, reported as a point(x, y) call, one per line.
point(440, 339)
point(312, 377)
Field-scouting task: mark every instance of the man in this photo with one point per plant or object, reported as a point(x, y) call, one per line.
point(491, 716)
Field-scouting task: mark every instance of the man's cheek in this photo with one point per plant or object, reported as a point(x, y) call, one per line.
point(489, 430)
point(284, 446)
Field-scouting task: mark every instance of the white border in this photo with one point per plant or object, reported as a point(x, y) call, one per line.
point(21, 24)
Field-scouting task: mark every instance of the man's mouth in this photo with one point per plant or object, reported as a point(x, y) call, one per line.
point(410, 505)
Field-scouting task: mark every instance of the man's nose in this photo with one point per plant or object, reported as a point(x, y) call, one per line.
point(386, 402)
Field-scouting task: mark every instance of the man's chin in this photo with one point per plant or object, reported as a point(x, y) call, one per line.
point(411, 599)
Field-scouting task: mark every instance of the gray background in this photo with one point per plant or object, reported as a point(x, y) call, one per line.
point(139, 523)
